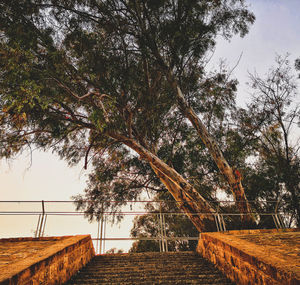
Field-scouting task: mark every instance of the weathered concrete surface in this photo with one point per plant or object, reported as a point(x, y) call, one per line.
point(150, 268)
point(50, 260)
point(255, 256)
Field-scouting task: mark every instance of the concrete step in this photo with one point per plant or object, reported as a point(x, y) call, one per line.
point(128, 264)
point(204, 275)
point(149, 268)
point(147, 271)
point(155, 281)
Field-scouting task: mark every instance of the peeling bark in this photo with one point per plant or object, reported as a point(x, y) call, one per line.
point(231, 175)
point(191, 202)
point(193, 209)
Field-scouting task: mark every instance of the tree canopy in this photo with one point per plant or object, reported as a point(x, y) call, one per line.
point(263, 141)
point(105, 80)
point(273, 120)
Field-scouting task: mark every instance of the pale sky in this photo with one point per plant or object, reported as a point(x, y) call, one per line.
point(276, 30)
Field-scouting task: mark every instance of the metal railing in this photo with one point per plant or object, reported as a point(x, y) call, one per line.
point(220, 217)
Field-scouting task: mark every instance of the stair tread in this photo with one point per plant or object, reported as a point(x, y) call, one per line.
point(149, 268)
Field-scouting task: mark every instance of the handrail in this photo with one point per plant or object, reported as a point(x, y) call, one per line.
point(159, 212)
point(129, 213)
point(136, 201)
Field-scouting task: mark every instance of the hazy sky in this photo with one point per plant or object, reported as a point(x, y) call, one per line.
point(276, 30)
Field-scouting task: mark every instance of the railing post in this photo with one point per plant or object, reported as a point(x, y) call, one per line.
point(217, 219)
point(159, 240)
point(98, 236)
point(165, 232)
point(101, 232)
point(223, 223)
point(37, 227)
point(104, 234)
point(277, 218)
point(43, 231)
point(161, 228)
point(42, 221)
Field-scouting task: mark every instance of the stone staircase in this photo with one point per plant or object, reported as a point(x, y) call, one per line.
point(149, 268)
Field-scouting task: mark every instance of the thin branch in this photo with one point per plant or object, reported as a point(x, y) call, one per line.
point(87, 154)
point(237, 63)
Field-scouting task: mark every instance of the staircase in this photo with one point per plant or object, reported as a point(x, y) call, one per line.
point(149, 268)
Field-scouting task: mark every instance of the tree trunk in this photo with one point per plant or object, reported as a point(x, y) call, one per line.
point(232, 176)
point(193, 204)
point(194, 210)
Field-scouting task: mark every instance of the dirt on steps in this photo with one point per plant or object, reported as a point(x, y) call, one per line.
point(149, 268)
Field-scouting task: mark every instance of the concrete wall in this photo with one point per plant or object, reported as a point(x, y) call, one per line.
point(53, 264)
point(254, 256)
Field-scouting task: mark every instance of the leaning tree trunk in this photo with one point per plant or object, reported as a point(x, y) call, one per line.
point(191, 202)
point(198, 212)
point(232, 176)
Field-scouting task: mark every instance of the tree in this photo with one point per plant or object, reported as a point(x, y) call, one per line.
point(173, 63)
point(89, 78)
point(271, 127)
point(265, 145)
point(114, 251)
point(148, 225)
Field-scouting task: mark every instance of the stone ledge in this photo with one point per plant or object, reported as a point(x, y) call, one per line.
point(49, 260)
point(254, 256)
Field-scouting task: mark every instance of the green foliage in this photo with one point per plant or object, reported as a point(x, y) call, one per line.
point(149, 226)
point(263, 147)
point(270, 126)
point(73, 73)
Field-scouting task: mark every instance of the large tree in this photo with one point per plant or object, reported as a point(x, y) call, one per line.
point(264, 143)
point(103, 79)
point(168, 35)
point(271, 123)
